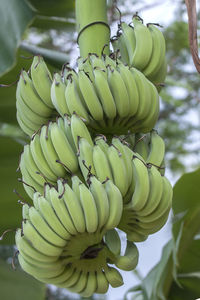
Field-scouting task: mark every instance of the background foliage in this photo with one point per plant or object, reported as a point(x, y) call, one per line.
point(48, 27)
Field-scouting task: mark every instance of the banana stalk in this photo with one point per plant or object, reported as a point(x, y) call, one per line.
point(92, 27)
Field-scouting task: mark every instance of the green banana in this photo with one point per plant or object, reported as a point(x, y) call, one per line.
point(58, 99)
point(42, 79)
point(129, 261)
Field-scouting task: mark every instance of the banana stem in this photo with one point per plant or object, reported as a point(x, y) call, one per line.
point(92, 26)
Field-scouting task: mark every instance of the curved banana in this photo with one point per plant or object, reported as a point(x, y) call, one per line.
point(113, 241)
point(24, 126)
point(101, 200)
point(74, 207)
point(155, 192)
point(49, 151)
point(44, 229)
point(129, 40)
point(90, 97)
point(129, 260)
point(91, 285)
point(73, 100)
point(118, 167)
point(30, 96)
point(158, 51)
point(157, 149)
point(115, 205)
point(85, 158)
point(23, 244)
point(40, 244)
point(102, 283)
point(58, 99)
point(89, 208)
point(126, 158)
point(104, 93)
point(63, 148)
point(143, 45)
point(113, 276)
point(141, 192)
point(79, 129)
point(40, 161)
point(50, 216)
point(119, 92)
point(58, 204)
point(42, 79)
point(100, 159)
point(131, 87)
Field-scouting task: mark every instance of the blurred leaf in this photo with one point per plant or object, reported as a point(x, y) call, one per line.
point(61, 8)
point(15, 16)
point(187, 192)
point(17, 285)
point(11, 210)
point(189, 289)
point(55, 58)
point(46, 23)
point(13, 131)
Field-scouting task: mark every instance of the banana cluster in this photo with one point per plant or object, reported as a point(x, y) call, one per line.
point(68, 237)
point(110, 96)
point(34, 105)
point(150, 203)
point(150, 146)
point(52, 153)
point(94, 163)
point(142, 47)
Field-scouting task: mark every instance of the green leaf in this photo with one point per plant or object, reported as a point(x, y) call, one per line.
point(16, 284)
point(11, 210)
point(189, 289)
point(186, 210)
point(61, 8)
point(46, 23)
point(15, 16)
point(55, 58)
point(187, 192)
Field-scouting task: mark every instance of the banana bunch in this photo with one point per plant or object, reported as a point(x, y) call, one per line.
point(142, 47)
point(66, 147)
point(68, 237)
point(33, 97)
point(52, 153)
point(110, 96)
point(147, 210)
point(150, 146)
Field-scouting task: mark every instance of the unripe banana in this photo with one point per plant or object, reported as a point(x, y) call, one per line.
point(119, 92)
point(143, 45)
point(42, 79)
point(129, 261)
point(73, 100)
point(113, 241)
point(115, 205)
point(90, 97)
point(85, 158)
point(118, 169)
point(101, 200)
point(100, 159)
point(89, 208)
point(113, 276)
point(79, 129)
point(58, 95)
point(63, 148)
